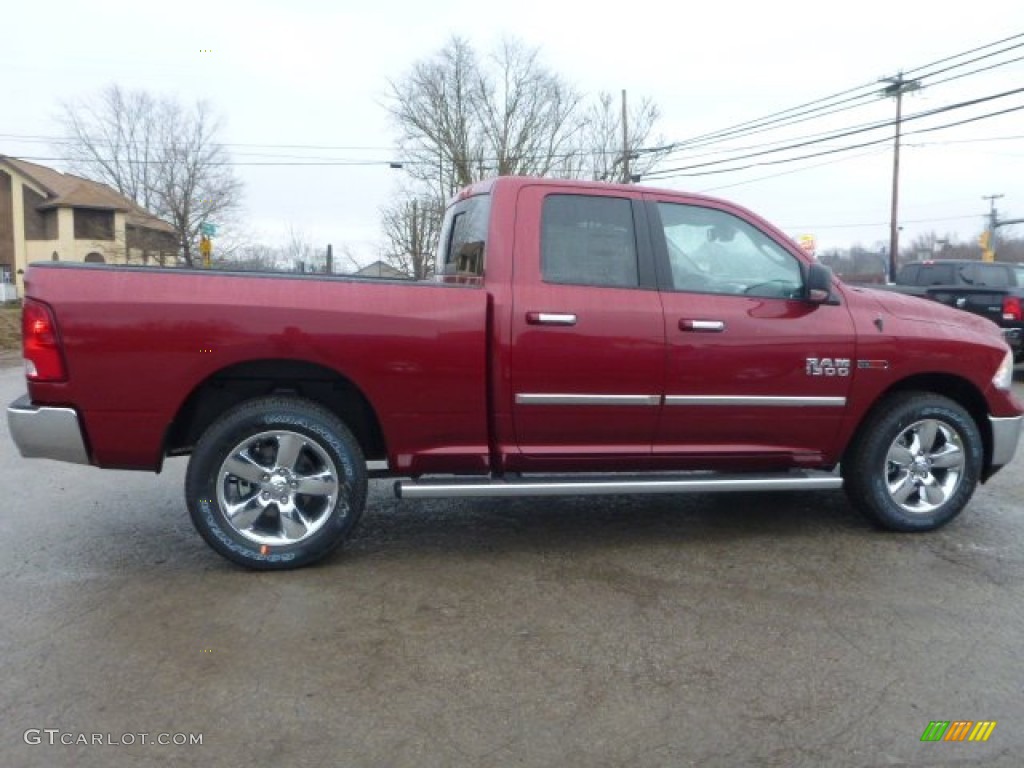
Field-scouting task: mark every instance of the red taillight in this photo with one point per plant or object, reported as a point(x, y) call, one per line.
point(40, 343)
point(1012, 308)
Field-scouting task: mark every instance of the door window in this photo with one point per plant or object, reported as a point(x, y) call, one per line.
point(711, 251)
point(588, 240)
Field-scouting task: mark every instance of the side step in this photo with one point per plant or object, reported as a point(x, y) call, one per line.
point(694, 482)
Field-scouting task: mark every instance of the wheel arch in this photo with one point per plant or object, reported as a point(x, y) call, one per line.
point(258, 378)
point(956, 388)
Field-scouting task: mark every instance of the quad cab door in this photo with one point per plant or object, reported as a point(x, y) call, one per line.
point(588, 339)
point(756, 374)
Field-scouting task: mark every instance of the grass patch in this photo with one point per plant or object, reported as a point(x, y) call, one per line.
point(10, 327)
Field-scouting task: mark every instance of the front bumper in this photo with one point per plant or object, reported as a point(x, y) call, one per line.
point(1005, 436)
point(46, 432)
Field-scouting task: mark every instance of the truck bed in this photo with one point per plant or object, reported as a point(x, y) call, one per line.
point(138, 339)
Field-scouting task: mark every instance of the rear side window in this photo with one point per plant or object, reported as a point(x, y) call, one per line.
point(908, 275)
point(588, 240)
point(463, 241)
point(937, 274)
point(995, 275)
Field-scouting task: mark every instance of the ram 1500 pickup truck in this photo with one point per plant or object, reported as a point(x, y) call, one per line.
point(580, 338)
point(990, 289)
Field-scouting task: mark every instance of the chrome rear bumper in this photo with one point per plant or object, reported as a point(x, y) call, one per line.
point(46, 432)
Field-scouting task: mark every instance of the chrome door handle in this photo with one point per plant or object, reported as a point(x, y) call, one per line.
point(550, 318)
point(701, 326)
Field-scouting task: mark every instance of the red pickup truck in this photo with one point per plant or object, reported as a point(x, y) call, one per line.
point(580, 338)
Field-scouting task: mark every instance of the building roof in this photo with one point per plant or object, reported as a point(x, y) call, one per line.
point(380, 269)
point(65, 190)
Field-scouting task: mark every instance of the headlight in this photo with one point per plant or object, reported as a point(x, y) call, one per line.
point(1004, 374)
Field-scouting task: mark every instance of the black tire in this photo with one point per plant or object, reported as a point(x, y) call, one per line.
point(914, 463)
point(247, 476)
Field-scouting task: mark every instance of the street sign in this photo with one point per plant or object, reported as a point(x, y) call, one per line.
point(208, 228)
point(808, 244)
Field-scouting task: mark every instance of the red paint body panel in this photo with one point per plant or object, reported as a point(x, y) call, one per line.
point(442, 365)
point(139, 341)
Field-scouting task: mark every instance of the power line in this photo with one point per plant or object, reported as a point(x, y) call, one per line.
point(881, 223)
point(792, 171)
point(669, 172)
point(776, 120)
point(965, 53)
point(838, 150)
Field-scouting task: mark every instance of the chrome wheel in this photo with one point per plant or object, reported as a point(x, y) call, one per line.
point(924, 466)
point(277, 488)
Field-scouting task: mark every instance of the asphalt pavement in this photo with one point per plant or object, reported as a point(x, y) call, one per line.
point(733, 630)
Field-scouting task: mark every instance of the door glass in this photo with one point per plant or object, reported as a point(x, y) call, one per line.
point(588, 240)
point(710, 251)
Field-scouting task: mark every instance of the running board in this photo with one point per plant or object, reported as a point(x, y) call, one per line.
point(698, 482)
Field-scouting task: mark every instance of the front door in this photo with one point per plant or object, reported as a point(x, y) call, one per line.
point(753, 371)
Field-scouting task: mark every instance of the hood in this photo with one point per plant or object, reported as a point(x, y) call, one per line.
point(926, 310)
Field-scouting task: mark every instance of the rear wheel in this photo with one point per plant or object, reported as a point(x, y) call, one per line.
point(276, 483)
point(915, 462)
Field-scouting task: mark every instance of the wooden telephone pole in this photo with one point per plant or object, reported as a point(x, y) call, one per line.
point(896, 88)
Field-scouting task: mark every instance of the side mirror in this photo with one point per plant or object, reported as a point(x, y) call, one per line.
point(818, 289)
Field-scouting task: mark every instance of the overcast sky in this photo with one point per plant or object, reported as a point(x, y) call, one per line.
point(315, 74)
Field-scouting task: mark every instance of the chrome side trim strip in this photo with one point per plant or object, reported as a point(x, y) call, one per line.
point(538, 399)
point(703, 483)
point(771, 402)
point(1005, 436)
point(46, 432)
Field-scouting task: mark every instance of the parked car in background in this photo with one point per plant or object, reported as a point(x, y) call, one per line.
point(991, 289)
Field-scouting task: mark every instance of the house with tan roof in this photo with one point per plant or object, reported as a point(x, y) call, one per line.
point(46, 215)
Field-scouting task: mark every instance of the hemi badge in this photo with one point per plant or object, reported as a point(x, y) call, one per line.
point(875, 365)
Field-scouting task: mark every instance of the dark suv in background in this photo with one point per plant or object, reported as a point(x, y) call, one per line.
point(991, 289)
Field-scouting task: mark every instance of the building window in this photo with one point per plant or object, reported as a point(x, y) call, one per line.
point(39, 225)
point(94, 258)
point(92, 224)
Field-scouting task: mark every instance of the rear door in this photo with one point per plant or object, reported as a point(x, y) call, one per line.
point(588, 341)
point(753, 371)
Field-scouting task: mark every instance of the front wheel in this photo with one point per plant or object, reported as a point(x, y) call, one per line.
point(276, 483)
point(915, 462)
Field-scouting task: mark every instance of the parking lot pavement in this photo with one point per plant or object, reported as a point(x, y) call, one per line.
point(774, 630)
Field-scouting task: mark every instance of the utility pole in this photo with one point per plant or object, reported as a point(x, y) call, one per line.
point(625, 140)
point(988, 240)
point(896, 88)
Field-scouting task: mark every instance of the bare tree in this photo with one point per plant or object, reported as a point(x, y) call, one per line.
point(163, 156)
point(411, 226)
point(113, 140)
point(602, 148)
point(299, 250)
point(461, 120)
